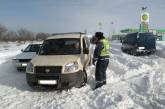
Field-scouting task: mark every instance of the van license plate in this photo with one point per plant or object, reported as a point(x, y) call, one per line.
point(24, 64)
point(47, 82)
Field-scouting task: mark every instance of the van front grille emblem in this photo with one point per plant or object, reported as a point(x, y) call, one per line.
point(47, 70)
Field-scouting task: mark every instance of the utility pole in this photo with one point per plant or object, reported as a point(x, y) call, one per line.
point(113, 28)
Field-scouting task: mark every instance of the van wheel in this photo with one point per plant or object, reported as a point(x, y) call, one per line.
point(133, 52)
point(35, 87)
point(90, 62)
point(19, 70)
point(84, 79)
point(31, 84)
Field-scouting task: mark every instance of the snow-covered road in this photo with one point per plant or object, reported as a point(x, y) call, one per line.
point(133, 83)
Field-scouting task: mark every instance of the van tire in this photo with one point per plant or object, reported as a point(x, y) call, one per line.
point(84, 78)
point(83, 81)
point(31, 84)
point(90, 61)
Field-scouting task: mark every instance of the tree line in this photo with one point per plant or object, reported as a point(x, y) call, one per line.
point(20, 35)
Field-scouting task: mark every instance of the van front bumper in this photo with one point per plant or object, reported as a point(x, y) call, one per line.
point(145, 50)
point(63, 80)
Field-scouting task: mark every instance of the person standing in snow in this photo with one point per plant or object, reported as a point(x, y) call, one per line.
point(101, 58)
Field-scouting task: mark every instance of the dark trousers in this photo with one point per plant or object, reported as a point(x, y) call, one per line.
point(100, 74)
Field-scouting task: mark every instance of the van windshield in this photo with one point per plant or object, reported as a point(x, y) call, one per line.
point(63, 46)
point(144, 35)
point(147, 40)
point(32, 48)
point(131, 38)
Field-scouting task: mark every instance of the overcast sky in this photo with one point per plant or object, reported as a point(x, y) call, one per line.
point(77, 15)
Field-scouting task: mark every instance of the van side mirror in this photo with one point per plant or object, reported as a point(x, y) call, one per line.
point(22, 50)
point(86, 51)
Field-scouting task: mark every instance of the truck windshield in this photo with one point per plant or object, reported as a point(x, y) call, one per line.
point(63, 46)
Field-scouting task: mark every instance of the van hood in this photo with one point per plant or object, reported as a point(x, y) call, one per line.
point(25, 55)
point(55, 60)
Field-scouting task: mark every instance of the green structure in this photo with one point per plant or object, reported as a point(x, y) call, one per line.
point(144, 27)
point(144, 20)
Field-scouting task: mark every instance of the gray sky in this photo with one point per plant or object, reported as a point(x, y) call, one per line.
point(77, 15)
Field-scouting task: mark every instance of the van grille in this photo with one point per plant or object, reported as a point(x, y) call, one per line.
point(24, 60)
point(48, 70)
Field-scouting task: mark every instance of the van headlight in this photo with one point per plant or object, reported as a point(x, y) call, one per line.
point(71, 67)
point(29, 68)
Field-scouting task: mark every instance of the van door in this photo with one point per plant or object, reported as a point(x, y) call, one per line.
point(86, 51)
point(130, 41)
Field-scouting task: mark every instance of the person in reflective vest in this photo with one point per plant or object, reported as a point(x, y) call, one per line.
point(101, 58)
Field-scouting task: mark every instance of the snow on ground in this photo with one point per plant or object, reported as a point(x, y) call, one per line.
point(161, 48)
point(9, 49)
point(133, 83)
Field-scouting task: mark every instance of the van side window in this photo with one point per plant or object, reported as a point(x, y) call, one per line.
point(131, 38)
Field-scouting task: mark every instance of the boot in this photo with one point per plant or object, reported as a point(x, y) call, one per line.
point(99, 84)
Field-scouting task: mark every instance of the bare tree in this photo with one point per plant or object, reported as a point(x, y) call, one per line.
point(3, 30)
point(11, 36)
point(21, 35)
point(42, 36)
point(25, 35)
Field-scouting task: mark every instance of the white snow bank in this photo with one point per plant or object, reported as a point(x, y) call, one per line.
point(8, 50)
point(160, 49)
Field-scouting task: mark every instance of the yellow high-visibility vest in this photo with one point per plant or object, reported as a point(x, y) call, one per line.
point(105, 51)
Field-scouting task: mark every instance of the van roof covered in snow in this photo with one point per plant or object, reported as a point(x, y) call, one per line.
point(66, 35)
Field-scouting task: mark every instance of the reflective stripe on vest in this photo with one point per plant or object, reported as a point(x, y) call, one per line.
point(105, 50)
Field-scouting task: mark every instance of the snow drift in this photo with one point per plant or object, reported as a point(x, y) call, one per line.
point(133, 83)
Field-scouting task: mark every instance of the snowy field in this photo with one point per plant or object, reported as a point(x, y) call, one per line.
point(133, 83)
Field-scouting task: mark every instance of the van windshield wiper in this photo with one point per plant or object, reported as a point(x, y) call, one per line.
point(58, 53)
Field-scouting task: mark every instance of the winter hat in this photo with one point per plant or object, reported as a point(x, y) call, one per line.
point(99, 35)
